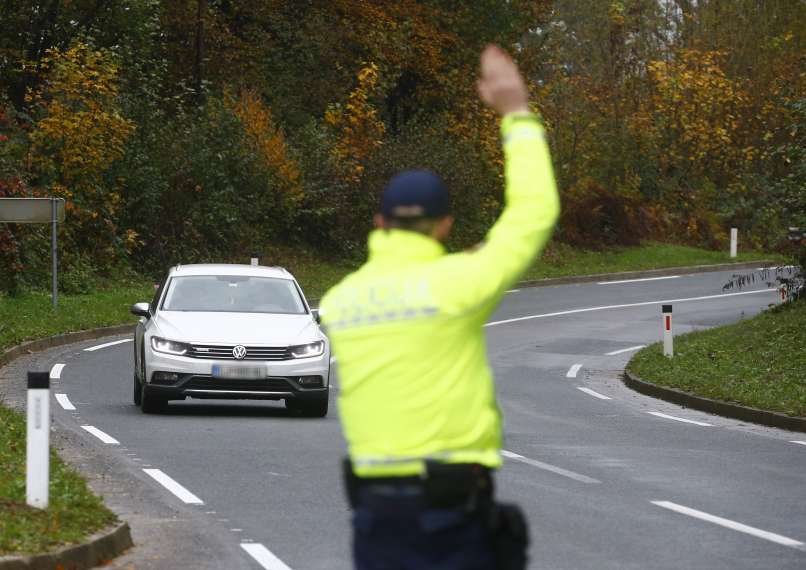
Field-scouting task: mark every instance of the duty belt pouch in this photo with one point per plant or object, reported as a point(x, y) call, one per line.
point(510, 536)
point(449, 485)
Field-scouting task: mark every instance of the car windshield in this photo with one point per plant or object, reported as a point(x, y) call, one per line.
point(233, 294)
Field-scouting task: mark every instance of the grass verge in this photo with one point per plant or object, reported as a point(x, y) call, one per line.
point(560, 260)
point(73, 512)
point(31, 316)
point(760, 362)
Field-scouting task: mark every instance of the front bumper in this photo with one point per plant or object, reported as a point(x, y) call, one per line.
point(195, 378)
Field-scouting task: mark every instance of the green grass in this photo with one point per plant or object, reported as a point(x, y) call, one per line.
point(73, 512)
point(560, 260)
point(31, 316)
point(760, 362)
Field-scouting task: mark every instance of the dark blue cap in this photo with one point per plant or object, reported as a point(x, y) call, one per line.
point(415, 194)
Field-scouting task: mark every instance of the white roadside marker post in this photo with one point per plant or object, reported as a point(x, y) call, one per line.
point(668, 349)
point(37, 452)
point(255, 260)
point(734, 241)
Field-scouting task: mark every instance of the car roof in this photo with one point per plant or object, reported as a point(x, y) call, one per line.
point(230, 269)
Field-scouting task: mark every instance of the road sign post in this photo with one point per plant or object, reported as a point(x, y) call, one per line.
point(37, 211)
point(37, 450)
point(668, 339)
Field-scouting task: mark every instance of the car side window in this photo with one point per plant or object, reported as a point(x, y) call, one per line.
point(157, 294)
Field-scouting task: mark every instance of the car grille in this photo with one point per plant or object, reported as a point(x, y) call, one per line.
point(260, 385)
point(224, 352)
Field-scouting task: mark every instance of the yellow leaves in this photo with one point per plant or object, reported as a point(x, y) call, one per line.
point(358, 128)
point(694, 110)
point(266, 138)
point(81, 131)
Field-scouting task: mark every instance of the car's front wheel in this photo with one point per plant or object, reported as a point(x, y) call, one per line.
point(138, 390)
point(311, 408)
point(150, 402)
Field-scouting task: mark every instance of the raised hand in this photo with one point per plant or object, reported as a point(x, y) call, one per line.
point(500, 84)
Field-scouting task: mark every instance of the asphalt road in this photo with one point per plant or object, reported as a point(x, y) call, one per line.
point(605, 481)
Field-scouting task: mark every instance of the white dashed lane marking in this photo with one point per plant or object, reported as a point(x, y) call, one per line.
point(105, 437)
point(638, 280)
point(548, 467)
point(593, 393)
point(630, 349)
point(264, 556)
point(56, 371)
point(675, 418)
point(178, 490)
point(626, 306)
point(64, 401)
point(727, 523)
point(572, 372)
point(107, 344)
point(800, 442)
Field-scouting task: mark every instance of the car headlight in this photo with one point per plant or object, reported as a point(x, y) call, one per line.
point(307, 350)
point(168, 346)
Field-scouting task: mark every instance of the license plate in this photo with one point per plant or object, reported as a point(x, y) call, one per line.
point(240, 372)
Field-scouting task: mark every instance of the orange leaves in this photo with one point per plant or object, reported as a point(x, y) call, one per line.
point(359, 130)
point(265, 137)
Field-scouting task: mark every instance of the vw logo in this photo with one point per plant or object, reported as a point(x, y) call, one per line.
point(239, 352)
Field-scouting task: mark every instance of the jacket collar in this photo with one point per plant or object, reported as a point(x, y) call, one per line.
point(400, 246)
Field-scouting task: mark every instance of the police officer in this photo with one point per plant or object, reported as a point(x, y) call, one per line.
point(416, 391)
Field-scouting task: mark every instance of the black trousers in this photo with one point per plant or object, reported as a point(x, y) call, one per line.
point(393, 529)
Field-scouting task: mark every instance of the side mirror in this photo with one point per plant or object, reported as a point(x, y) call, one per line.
point(141, 310)
point(316, 317)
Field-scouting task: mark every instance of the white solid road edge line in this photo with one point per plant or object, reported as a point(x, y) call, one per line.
point(572, 372)
point(727, 523)
point(64, 402)
point(105, 437)
point(637, 280)
point(627, 306)
point(594, 393)
point(264, 556)
point(675, 418)
point(106, 344)
point(548, 467)
point(630, 349)
point(181, 493)
point(56, 371)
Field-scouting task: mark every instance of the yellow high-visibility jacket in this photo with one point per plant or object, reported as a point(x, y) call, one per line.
point(406, 328)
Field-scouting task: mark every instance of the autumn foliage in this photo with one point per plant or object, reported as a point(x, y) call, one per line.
point(189, 131)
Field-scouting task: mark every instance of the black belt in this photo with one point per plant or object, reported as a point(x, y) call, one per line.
point(443, 485)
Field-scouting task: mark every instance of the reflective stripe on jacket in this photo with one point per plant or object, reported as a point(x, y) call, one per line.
point(406, 328)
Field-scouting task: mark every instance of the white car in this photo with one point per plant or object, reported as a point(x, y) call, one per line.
point(234, 332)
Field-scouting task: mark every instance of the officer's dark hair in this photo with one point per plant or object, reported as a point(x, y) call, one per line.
point(420, 225)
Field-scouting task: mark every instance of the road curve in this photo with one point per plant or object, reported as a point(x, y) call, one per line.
point(609, 478)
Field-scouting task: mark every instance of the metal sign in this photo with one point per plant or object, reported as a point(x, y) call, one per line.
point(30, 210)
point(37, 211)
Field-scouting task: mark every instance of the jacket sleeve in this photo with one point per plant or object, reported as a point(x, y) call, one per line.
point(531, 209)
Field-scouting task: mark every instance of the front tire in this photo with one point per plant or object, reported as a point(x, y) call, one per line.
point(137, 394)
point(313, 408)
point(150, 403)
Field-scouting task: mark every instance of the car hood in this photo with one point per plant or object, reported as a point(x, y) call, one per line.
point(251, 329)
